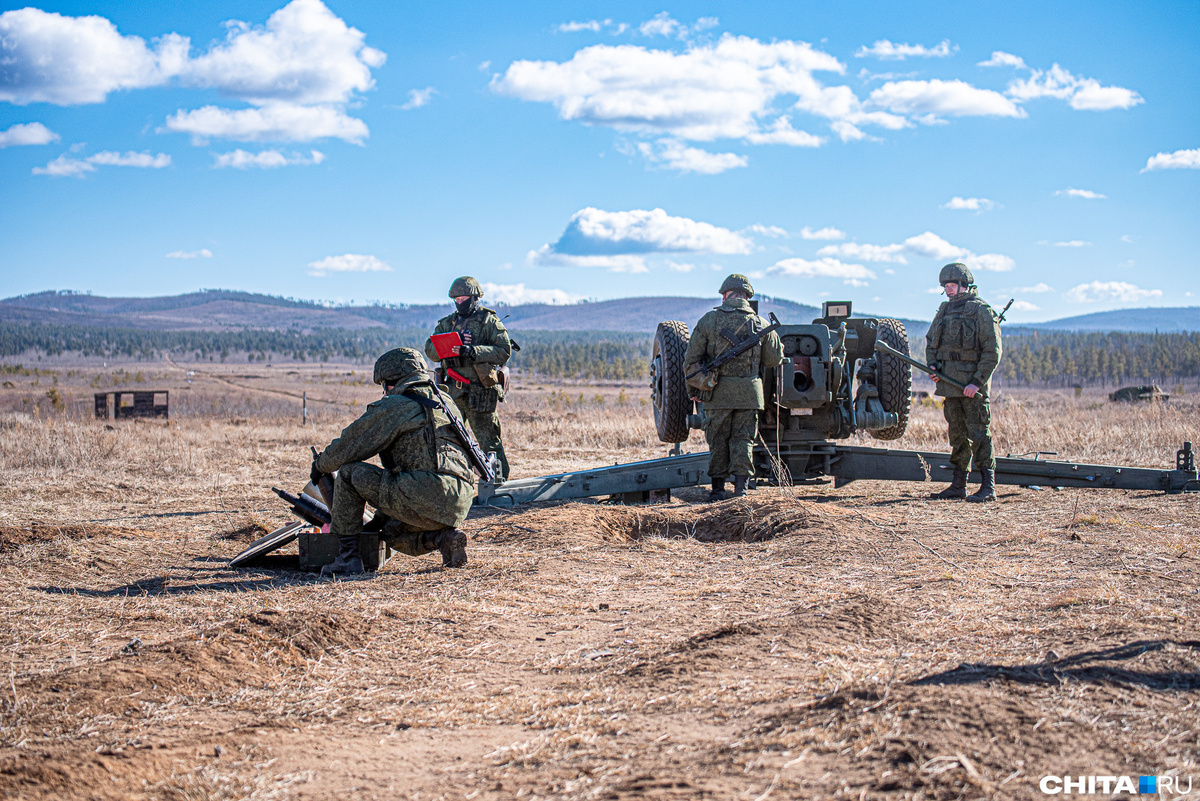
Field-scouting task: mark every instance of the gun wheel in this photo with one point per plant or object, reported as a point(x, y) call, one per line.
point(894, 378)
point(668, 392)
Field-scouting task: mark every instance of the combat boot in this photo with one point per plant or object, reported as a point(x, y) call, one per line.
point(348, 561)
point(452, 542)
point(957, 489)
point(739, 486)
point(718, 490)
point(987, 489)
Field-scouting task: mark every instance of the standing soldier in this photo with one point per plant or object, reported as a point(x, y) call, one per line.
point(964, 343)
point(485, 347)
point(733, 394)
point(426, 485)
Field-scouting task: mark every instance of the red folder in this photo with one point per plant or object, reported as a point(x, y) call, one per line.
point(444, 344)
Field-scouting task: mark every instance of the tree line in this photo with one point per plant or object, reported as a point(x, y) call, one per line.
point(1062, 359)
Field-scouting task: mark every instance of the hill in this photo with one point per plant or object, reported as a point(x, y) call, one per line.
point(1170, 319)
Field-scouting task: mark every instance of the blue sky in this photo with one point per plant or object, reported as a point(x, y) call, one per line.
point(356, 151)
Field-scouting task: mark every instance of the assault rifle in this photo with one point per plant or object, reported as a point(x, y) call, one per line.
point(737, 350)
point(884, 347)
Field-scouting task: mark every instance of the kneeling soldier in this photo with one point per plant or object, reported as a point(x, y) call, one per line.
point(426, 485)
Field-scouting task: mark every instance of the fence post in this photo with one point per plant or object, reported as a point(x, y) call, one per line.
point(304, 409)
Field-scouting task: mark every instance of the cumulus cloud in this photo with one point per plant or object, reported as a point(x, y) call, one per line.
point(418, 98)
point(347, 263)
point(1083, 94)
point(1038, 287)
point(302, 68)
point(660, 25)
point(781, 132)
point(202, 253)
point(1179, 160)
point(1110, 291)
point(592, 232)
point(853, 274)
point(1001, 59)
point(546, 256)
point(675, 155)
point(877, 253)
point(968, 203)
point(519, 295)
point(68, 166)
point(826, 233)
point(266, 159)
point(679, 267)
point(1086, 194)
point(278, 121)
point(927, 245)
point(936, 98)
point(28, 133)
point(888, 51)
point(1024, 305)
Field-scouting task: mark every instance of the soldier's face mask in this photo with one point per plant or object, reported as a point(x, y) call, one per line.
point(466, 305)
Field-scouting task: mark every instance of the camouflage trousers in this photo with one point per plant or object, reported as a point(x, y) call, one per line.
point(360, 483)
point(730, 434)
point(970, 422)
point(486, 428)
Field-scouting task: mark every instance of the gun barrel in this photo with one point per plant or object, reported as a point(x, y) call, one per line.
point(884, 347)
point(306, 508)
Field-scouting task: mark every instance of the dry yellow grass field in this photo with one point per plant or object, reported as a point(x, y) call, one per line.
point(802, 643)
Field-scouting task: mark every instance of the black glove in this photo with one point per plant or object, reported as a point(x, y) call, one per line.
point(315, 475)
point(467, 350)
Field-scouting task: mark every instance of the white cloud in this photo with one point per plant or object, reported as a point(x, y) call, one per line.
point(1074, 243)
point(66, 166)
point(266, 159)
point(827, 232)
point(932, 246)
point(1110, 291)
point(50, 58)
point(1038, 287)
point(1084, 94)
point(675, 155)
point(573, 27)
point(595, 232)
point(202, 253)
point(1127, 239)
point(853, 250)
point(278, 121)
point(773, 231)
point(927, 245)
point(968, 203)
point(991, 262)
point(1001, 59)
point(347, 263)
point(937, 97)
point(680, 267)
point(888, 51)
point(781, 132)
point(1087, 194)
point(28, 133)
point(1024, 305)
point(660, 25)
point(418, 98)
point(822, 268)
point(546, 256)
point(1179, 160)
point(518, 295)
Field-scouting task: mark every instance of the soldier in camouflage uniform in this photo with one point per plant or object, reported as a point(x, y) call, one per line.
point(732, 395)
point(486, 346)
point(964, 343)
point(426, 485)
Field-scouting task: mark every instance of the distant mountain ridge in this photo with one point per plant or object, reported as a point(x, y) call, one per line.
point(219, 309)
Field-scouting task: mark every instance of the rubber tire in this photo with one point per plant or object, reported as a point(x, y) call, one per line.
point(670, 399)
point(893, 377)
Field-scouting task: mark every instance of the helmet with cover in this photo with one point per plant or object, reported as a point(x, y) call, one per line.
point(737, 283)
point(397, 365)
point(466, 286)
point(956, 273)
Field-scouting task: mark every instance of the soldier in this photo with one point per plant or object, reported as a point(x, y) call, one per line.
point(733, 395)
point(964, 343)
point(485, 347)
point(426, 485)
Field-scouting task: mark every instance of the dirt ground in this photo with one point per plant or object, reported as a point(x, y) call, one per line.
point(806, 642)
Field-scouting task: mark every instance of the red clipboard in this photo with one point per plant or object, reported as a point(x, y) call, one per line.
point(445, 344)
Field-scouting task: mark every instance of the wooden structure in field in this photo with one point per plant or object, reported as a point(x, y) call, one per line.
point(119, 405)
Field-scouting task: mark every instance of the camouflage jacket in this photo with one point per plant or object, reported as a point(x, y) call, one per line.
point(489, 337)
point(407, 436)
point(964, 343)
point(739, 385)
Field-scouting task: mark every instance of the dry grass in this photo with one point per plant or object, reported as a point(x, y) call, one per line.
point(809, 643)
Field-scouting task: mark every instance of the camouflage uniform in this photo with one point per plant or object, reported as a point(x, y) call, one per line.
point(426, 484)
point(731, 407)
point(492, 347)
point(964, 343)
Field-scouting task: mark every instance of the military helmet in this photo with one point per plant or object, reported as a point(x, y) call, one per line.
point(398, 364)
point(737, 283)
point(466, 285)
point(956, 273)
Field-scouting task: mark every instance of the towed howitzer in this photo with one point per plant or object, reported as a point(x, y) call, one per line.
point(884, 347)
point(737, 349)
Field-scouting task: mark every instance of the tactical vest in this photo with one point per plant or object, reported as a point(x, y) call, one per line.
point(733, 328)
point(434, 447)
point(956, 336)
